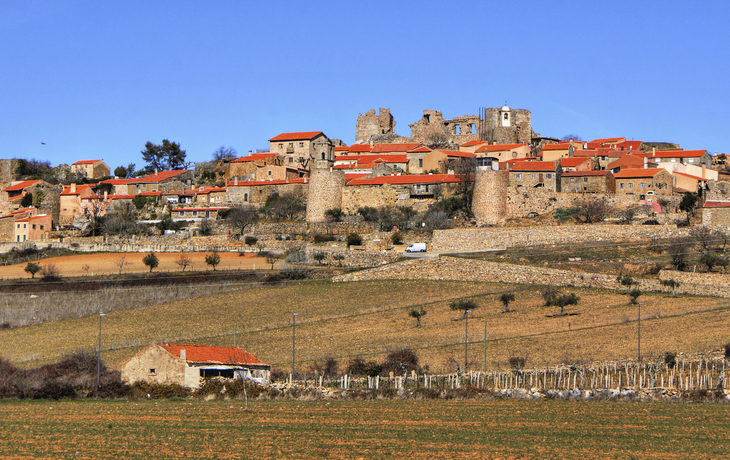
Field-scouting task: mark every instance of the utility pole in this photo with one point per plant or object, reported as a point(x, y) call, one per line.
point(98, 355)
point(293, 343)
point(466, 338)
point(639, 335)
point(484, 365)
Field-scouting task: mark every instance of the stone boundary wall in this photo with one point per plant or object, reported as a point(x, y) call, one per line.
point(449, 268)
point(353, 258)
point(484, 239)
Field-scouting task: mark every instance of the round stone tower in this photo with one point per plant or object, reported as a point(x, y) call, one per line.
point(489, 203)
point(324, 191)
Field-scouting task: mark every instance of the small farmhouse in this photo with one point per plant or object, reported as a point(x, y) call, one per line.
point(187, 365)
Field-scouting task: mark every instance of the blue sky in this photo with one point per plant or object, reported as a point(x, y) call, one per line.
point(98, 79)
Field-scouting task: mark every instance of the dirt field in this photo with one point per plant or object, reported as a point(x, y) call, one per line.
point(107, 263)
point(362, 429)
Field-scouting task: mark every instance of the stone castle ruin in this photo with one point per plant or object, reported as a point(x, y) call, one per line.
point(502, 125)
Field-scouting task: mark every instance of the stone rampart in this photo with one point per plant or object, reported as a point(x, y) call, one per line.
point(491, 238)
point(325, 192)
point(449, 268)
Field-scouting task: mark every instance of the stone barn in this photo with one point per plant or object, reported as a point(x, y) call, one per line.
point(189, 365)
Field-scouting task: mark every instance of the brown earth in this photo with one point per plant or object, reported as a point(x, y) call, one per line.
point(107, 263)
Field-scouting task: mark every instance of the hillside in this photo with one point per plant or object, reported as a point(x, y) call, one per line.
point(368, 319)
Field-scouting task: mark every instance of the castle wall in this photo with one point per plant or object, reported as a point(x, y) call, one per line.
point(370, 124)
point(325, 192)
point(518, 131)
point(489, 202)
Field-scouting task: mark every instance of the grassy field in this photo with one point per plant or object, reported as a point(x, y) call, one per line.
point(362, 429)
point(369, 319)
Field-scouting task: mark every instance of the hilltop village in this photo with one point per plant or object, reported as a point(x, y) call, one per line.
point(470, 171)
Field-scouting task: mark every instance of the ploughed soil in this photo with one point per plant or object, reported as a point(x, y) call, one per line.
point(103, 271)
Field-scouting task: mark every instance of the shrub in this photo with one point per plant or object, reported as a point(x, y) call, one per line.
point(626, 280)
point(517, 363)
point(727, 350)
point(327, 367)
point(250, 240)
point(323, 237)
point(206, 227)
point(50, 272)
point(334, 215)
point(319, 257)
point(401, 361)
point(353, 239)
point(396, 238)
point(633, 295)
point(463, 305)
point(670, 359)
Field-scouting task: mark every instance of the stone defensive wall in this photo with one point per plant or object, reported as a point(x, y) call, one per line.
point(451, 268)
point(488, 238)
point(521, 201)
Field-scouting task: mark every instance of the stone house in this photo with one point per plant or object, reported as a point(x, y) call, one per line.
point(33, 228)
point(366, 163)
point(70, 202)
point(639, 181)
point(190, 365)
point(601, 182)
point(195, 213)
point(301, 147)
point(687, 157)
point(91, 169)
point(552, 152)
point(716, 213)
point(158, 182)
point(7, 222)
point(630, 162)
point(12, 196)
point(411, 186)
point(536, 174)
point(255, 193)
point(177, 196)
point(688, 182)
point(577, 164)
point(210, 195)
point(486, 154)
point(245, 167)
point(439, 159)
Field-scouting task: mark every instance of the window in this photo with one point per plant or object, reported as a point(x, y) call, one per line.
point(41, 227)
point(642, 185)
point(269, 173)
point(457, 129)
point(518, 176)
point(420, 162)
point(549, 176)
point(585, 179)
point(33, 226)
point(506, 116)
point(621, 185)
point(691, 160)
point(182, 213)
point(195, 213)
point(291, 145)
point(631, 185)
point(572, 179)
point(301, 144)
point(533, 175)
point(153, 371)
point(245, 197)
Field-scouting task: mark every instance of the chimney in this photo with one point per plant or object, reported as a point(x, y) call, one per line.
point(235, 181)
point(155, 171)
point(183, 354)
point(704, 171)
point(250, 152)
point(73, 188)
point(653, 152)
point(106, 195)
point(646, 163)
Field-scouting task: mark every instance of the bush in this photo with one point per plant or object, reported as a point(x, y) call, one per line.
point(396, 238)
point(334, 215)
point(517, 363)
point(401, 361)
point(353, 239)
point(250, 240)
point(323, 237)
point(50, 272)
point(206, 227)
point(319, 257)
point(670, 359)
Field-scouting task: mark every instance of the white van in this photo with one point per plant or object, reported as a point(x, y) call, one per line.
point(416, 247)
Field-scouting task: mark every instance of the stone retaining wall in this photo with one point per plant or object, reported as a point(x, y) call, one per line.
point(353, 258)
point(450, 268)
point(490, 238)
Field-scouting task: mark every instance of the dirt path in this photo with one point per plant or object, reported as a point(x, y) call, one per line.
point(107, 263)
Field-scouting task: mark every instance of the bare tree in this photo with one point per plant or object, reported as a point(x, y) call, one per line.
point(183, 261)
point(224, 153)
point(591, 210)
point(121, 262)
point(240, 219)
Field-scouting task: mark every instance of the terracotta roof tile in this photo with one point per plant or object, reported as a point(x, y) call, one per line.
point(85, 162)
point(498, 147)
point(21, 185)
point(584, 173)
point(717, 204)
point(456, 153)
point(407, 179)
point(534, 166)
point(247, 183)
point(253, 157)
point(637, 172)
point(382, 148)
point(299, 136)
point(213, 355)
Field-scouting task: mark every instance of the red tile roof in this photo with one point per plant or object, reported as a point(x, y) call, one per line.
point(637, 172)
point(359, 148)
point(79, 188)
point(572, 162)
point(197, 209)
point(498, 147)
point(392, 158)
point(407, 179)
point(534, 166)
point(21, 185)
point(207, 190)
point(28, 219)
point(420, 149)
point(703, 179)
point(559, 146)
point(608, 140)
point(300, 136)
point(15, 213)
point(633, 145)
point(204, 354)
point(635, 161)
point(474, 142)
point(674, 154)
point(247, 183)
point(406, 147)
point(151, 178)
point(717, 204)
point(456, 153)
point(342, 148)
point(86, 162)
point(584, 173)
point(253, 157)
